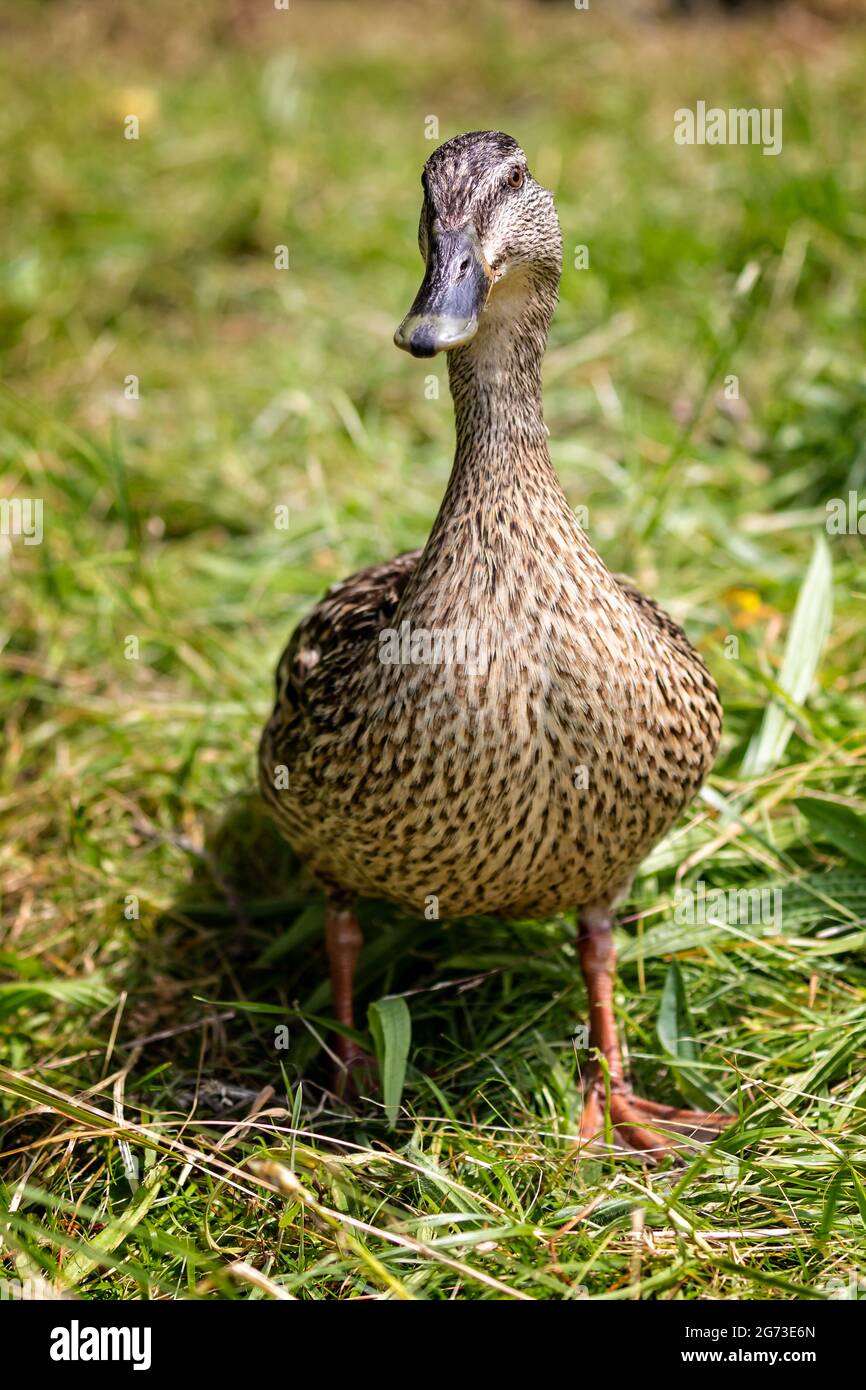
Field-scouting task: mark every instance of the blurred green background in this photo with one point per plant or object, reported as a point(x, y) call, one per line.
point(166, 387)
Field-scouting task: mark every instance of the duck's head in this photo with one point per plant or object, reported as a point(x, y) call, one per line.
point(487, 229)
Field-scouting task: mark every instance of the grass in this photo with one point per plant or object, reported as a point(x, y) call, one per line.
point(155, 932)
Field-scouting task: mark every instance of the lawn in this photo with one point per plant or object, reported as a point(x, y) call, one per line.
point(214, 438)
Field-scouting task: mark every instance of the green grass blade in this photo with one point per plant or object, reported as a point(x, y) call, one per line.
point(838, 825)
point(806, 637)
point(391, 1026)
point(114, 1234)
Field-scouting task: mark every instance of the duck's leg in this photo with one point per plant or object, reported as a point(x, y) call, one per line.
point(343, 939)
point(643, 1124)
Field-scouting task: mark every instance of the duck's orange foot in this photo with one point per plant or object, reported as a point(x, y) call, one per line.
point(645, 1126)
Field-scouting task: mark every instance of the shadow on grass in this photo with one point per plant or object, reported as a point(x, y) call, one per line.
point(235, 994)
point(237, 968)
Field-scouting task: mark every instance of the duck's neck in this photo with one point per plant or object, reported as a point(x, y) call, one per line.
point(504, 506)
point(496, 388)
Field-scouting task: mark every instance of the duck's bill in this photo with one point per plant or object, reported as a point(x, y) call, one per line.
point(452, 295)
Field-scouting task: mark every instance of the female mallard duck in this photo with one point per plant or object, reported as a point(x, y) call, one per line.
point(494, 721)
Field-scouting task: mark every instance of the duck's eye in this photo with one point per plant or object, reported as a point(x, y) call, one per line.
point(515, 177)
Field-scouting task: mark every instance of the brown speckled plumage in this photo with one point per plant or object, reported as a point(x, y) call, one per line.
point(539, 783)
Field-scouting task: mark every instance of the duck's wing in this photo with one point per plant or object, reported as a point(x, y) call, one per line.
point(326, 645)
point(694, 679)
point(656, 617)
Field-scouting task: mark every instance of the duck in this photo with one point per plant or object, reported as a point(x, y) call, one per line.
point(493, 724)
